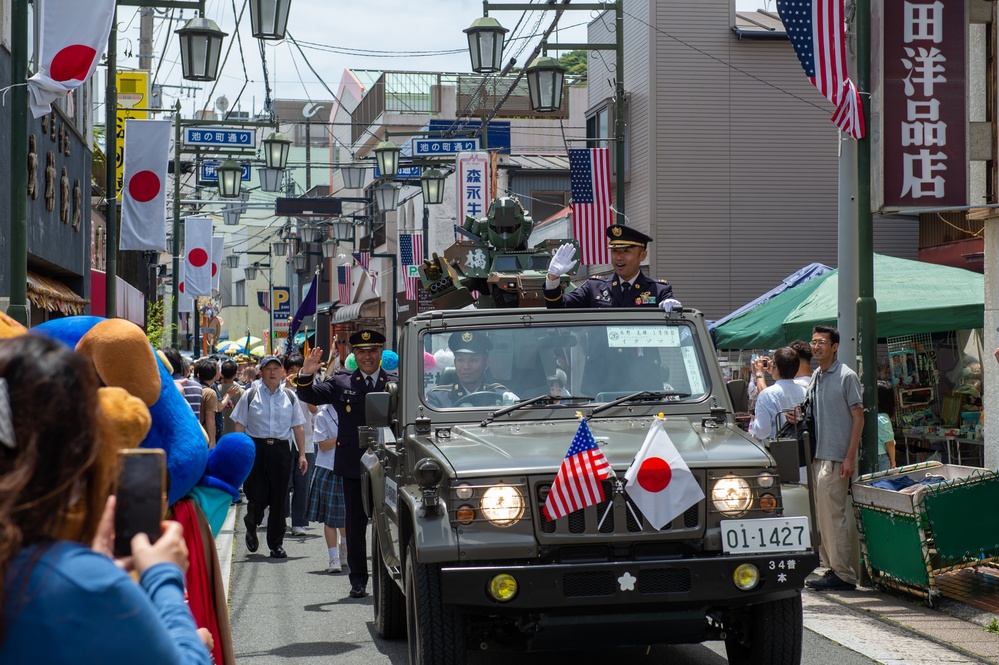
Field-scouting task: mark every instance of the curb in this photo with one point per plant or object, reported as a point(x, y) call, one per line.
point(225, 546)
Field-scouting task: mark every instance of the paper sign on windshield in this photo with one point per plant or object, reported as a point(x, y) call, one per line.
point(643, 336)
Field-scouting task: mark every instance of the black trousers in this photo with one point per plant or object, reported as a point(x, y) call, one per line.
point(267, 487)
point(357, 531)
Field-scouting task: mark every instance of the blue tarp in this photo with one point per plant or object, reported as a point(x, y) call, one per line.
point(809, 272)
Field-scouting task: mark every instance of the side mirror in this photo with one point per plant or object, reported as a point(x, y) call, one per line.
point(377, 409)
point(738, 393)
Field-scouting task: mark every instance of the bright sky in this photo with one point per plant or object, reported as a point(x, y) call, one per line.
point(402, 35)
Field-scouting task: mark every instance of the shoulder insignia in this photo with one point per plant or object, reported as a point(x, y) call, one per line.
point(440, 388)
point(663, 281)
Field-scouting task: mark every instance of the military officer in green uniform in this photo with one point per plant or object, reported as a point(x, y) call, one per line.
point(471, 359)
point(627, 287)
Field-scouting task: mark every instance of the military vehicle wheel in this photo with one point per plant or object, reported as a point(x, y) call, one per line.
point(481, 398)
point(436, 631)
point(771, 634)
point(390, 605)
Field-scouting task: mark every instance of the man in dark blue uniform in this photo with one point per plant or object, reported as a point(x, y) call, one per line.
point(346, 391)
point(471, 358)
point(627, 287)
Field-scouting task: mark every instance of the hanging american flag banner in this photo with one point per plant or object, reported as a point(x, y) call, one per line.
point(412, 285)
point(816, 29)
point(363, 259)
point(589, 180)
point(410, 249)
point(343, 284)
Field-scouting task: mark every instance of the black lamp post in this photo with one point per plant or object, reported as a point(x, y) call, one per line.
point(544, 84)
point(387, 156)
point(485, 44)
point(230, 175)
point(269, 18)
point(276, 147)
point(200, 47)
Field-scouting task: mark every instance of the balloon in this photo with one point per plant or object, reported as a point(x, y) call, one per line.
point(428, 361)
point(444, 359)
point(350, 363)
point(390, 360)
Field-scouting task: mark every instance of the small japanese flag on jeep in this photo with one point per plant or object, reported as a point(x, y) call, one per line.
point(659, 481)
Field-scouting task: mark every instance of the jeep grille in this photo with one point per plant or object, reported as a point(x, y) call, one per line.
point(612, 519)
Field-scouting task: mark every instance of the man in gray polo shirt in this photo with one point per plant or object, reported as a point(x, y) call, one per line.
point(839, 423)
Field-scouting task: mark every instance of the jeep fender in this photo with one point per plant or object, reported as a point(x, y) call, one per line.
point(436, 541)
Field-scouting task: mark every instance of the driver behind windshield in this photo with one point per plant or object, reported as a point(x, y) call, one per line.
point(471, 359)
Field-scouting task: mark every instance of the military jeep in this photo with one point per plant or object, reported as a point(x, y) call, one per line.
point(464, 556)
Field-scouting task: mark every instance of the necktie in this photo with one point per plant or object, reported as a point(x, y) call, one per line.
point(371, 384)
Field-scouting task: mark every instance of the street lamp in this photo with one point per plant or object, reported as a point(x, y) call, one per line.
point(353, 175)
point(270, 179)
point(299, 262)
point(269, 18)
point(279, 247)
point(544, 84)
point(251, 271)
point(233, 260)
point(230, 176)
point(329, 247)
point(432, 184)
point(387, 156)
point(276, 147)
point(200, 47)
point(485, 44)
point(387, 197)
point(230, 216)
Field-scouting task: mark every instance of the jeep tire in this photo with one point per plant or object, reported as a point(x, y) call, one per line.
point(436, 631)
point(771, 634)
point(390, 604)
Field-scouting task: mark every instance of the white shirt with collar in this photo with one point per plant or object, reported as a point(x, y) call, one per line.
point(269, 415)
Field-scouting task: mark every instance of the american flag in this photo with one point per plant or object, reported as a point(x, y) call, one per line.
point(363, 259)
point(577, 484)
point(589, 171)
point(410, 249)
point(343, 284)
point(816, 30)
point(412, 287)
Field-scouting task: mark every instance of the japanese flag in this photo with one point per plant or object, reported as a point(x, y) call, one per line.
point(659, 481)
point(198, 256)
point(143, 199)
point(73, 37)
point(218, 247)
point(185, 303)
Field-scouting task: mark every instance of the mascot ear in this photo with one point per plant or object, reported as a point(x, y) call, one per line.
point(122, 357)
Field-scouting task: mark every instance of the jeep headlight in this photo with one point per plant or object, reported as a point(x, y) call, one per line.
point(731, 496)
point(502, 505)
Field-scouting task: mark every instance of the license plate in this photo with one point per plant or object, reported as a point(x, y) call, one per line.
point(770, 534)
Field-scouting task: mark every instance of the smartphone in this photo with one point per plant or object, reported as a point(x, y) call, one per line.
point(141, 497)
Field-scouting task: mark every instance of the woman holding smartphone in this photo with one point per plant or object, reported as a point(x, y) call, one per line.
point(62, 598)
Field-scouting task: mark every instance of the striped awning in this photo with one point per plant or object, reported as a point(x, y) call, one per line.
point(54, 296)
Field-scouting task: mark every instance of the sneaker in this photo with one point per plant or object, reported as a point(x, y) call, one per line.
point(343, 555)
point(334, 567)
point(830, 582)
point(298, 531)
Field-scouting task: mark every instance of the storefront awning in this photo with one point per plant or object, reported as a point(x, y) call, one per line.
point(54, 296)
point(348, 313)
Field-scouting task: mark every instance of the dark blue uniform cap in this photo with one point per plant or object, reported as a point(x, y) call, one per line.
point(626, 236)
point(366, 338)
point(469, 342)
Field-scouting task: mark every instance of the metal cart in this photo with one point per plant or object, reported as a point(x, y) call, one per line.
point(908, 539)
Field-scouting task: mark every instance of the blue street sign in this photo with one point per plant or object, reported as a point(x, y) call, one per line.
point(220, 137)
point(208, 173)
point(404, 173)
point(425, 147)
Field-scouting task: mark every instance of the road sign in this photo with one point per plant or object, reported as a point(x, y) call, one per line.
point(429, 147)
point(219, 137)
point(209, 173)
point(404, 173)
point(412, 271)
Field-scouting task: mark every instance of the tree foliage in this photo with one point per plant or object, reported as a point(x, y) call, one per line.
point(158, 331)
point(574, 63)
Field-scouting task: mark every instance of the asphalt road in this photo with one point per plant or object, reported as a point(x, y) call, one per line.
point(292, 611)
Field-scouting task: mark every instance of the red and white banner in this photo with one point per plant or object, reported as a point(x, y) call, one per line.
point(73, 37)
point(659, 481)
point(185, 303)
point(143, 199)
point(218, 247)
point(198, 256)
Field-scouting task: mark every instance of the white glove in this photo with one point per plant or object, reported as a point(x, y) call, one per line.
point(669, 304)
point(562, 261)
point(509, 397)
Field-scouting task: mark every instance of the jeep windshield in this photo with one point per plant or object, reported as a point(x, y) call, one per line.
point(597, 363)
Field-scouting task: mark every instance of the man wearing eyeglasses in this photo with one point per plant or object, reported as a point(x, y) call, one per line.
point(839, 422)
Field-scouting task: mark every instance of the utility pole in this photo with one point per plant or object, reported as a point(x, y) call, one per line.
point(146, 38)
point(17, 309)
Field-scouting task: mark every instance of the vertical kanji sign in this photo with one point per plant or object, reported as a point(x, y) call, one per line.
point(925, 104)
point(473, 185)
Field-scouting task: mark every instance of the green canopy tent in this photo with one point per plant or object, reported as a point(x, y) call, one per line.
point(912, 297)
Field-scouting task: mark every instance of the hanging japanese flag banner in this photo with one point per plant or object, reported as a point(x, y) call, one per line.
point(185, 303)
point(143, 197)
point(72, 38)
point(218, 247)
point(197, 256)
point(659, 481)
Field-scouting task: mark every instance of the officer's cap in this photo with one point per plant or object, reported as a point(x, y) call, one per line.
point(626, 236)
point(363, 339)
point(469, 342)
